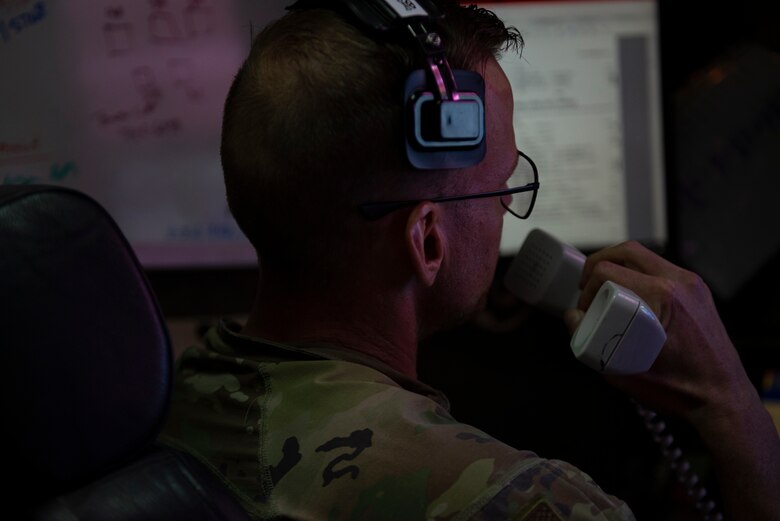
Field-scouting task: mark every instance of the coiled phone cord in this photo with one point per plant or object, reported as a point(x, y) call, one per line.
point(674, 457)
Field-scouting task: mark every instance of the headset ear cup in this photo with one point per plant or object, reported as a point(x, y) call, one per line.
point(444, 110)
point(445, 134)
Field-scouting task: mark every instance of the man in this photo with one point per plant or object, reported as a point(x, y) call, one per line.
point(312, 409)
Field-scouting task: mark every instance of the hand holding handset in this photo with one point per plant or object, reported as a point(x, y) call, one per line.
point(619, 333)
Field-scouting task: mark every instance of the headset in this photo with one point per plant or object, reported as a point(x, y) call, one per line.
point(444, 109)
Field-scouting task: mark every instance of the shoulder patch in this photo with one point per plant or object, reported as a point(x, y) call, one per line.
point(540, 511)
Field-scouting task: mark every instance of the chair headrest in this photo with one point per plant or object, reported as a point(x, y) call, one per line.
point(85, 350)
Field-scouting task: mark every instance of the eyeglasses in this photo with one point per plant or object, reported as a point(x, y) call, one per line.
point(518, 199)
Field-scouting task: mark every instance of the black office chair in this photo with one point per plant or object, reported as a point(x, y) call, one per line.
point(86, 373)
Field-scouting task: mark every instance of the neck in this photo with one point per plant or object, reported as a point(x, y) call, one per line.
point(384, 328)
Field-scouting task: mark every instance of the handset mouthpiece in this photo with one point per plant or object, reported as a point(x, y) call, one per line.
point(546, 273)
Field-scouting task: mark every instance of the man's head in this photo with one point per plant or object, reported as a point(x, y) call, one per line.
point(313, 127)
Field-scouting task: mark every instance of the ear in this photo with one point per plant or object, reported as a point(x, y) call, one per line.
point(425, 241)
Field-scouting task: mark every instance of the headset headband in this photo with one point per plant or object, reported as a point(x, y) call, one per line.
point(445, 124)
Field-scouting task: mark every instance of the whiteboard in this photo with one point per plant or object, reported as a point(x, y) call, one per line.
point(122, 99)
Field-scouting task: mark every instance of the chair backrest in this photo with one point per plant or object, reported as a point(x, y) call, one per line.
point(87, 366)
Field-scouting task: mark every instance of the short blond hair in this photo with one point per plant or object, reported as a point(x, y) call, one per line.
point(313, 125)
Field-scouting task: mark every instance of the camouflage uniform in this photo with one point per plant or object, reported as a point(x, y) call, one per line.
point(316, 432)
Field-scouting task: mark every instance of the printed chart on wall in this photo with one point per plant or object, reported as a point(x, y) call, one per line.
point(122, 100)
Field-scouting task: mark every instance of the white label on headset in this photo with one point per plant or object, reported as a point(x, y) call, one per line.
point(406, 8)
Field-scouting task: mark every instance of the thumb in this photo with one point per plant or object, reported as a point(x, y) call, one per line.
point(572, 319)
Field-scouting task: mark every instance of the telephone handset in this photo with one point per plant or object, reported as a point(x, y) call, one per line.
point(619, 333)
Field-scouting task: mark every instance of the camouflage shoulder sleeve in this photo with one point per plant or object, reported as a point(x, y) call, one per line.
point(328, 439)
point(549, 490)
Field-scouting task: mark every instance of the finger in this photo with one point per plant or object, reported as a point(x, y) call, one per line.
point(632, 255)
point(642, 284)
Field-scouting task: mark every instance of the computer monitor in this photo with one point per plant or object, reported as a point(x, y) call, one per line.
point(588, 111)
point(124, 103)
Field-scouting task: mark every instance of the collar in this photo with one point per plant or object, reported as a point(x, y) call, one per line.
point(226, 338)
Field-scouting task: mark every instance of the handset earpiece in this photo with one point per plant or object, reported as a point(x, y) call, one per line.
point(619, 333)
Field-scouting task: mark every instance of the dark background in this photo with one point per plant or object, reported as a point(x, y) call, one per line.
point(523, 386)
